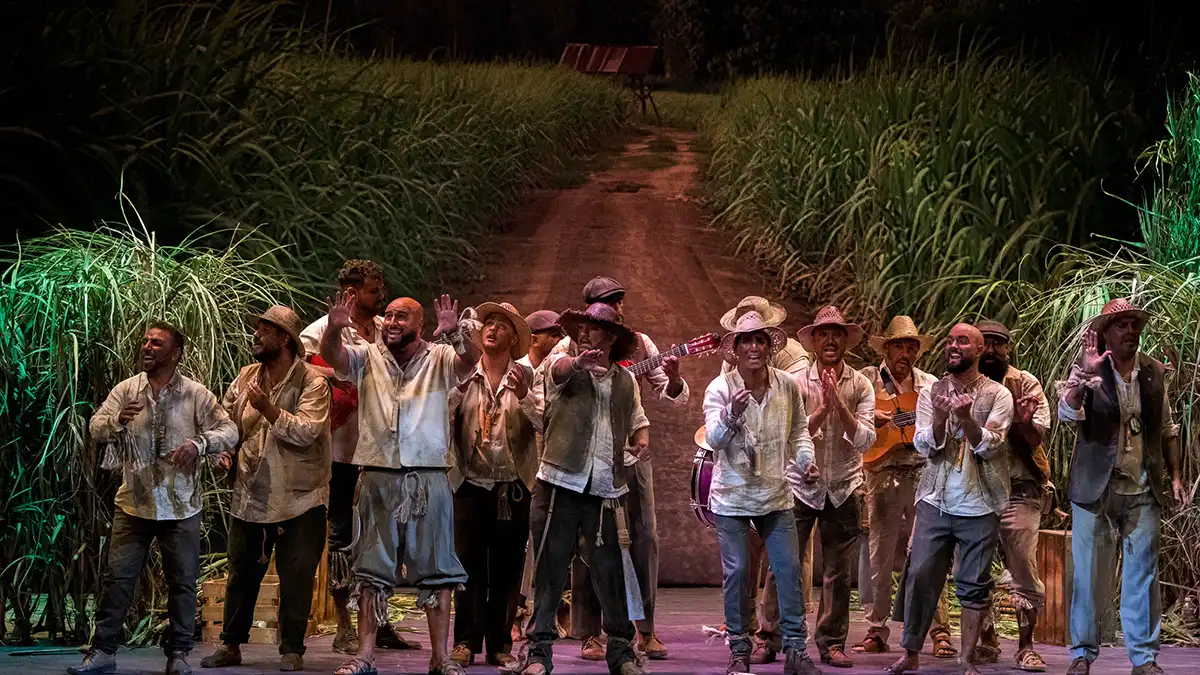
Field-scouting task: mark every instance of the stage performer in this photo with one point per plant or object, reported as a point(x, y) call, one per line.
point(755, 422)
point(155, 426)
point(1125, 472)
point(405, 507)
point(280, 487)
point(962, 425)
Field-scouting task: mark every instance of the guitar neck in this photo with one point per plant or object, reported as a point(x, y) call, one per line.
point(643, 367)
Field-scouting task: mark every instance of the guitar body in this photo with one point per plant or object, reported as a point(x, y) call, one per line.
point(890, 435)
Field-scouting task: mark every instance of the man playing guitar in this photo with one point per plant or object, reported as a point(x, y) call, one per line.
point(893, 468)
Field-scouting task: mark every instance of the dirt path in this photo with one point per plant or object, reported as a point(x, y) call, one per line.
point(636, 222)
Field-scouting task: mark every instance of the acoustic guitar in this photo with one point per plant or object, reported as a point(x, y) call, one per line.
point(899, 430)
point(698, 346)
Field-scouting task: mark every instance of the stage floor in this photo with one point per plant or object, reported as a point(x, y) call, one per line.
point(681, 614)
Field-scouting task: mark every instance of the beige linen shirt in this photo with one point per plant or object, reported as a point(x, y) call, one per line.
point(837, 450)
point(151, 487)
point(283, 468)
point(753, 455)
point(403, 412)
point(345, 437)
point(491, 418)
point(1030, 386)
point(917, 380)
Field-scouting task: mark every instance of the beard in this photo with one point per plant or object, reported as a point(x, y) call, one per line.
point(264, 355)
point(993, 366)
point(404, 340)
point(964, 364)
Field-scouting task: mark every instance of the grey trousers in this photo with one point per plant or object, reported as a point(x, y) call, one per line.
point(935, 537)
point(643, 549)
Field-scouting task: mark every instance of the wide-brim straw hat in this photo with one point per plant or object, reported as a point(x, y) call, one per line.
point(1115, 309)
point(900, 328)
point(751, 322)
point(772, 313)
point(605, 316)
point(829, 317)
point(701, 438)
point(288, 321)
point(524, 335)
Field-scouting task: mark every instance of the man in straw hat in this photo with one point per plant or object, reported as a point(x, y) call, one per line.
point(962, 425)
point(891, 476)
point(1125, 472)
point(755, 422)
point(154, 427)
point(593, 409)
point(668, 386)
point(841, 405)
point(1032, 495)
point(494, 422)
point(280, 487)
point(405, 506)
point(793, 360)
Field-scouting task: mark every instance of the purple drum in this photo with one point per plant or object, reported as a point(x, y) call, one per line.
point(702, 470)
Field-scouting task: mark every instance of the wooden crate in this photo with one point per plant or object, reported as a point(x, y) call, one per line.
point(1054, 564)
point(266, 610)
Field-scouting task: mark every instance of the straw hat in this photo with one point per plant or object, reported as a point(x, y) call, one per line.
point(600, 289)
point(900, 328)
point(524, 335)
point(772, 313)
point(602, 315)
point(286, 320)
point(751, 322)
point(1115, 309)
point(829, 317)
point(701, 438)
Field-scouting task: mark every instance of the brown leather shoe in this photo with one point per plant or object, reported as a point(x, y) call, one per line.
point(592, 650)
point(462, 655)
point(1079, 666)
point(738, 663)
point(837, 658)
point(1151, 668)
point(653, 648)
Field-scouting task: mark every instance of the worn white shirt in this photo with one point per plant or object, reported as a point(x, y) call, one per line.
point(838, 450)
point(656, 379)
point(754, 454)
point(537, 388)
point(488, 412)
point(403, 412)
point(953, 484)
point(345, 437)
point(598, 469)
point(283, 467)
point(1131, 476)
point(151, 487)
point(917, 380)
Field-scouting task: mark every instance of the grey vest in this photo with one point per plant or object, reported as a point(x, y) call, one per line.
point(568, 426)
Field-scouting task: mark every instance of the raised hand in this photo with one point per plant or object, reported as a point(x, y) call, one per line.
point(447, 314)
point(517, 377)
point(129, 412)
point(590, 361)
point(257, 397)
point(941, 409)
point(741, 399)
point(339, 311)
point(960, 405)
point(1024, 408)
point(1092, 360)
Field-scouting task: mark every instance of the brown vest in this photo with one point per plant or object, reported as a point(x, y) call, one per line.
point(1034, 460)
point(568, 426)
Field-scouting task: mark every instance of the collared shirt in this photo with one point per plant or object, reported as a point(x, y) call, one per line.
point(754, 454)
point(953, 482)
point(485, 415)
point(916, 381)
point(656, 379)
point(153, 488)
point(1130, 478)
point(345, 437)
point(598, 469)
point(403, 411)
point(838, 450)
point(1028, 386)
point(283, 467)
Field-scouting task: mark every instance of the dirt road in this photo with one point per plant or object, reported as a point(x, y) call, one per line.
point(635, 221)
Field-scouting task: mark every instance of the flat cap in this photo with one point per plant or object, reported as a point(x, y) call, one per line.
point(600, 289)
point(994, 329)
point(542, 320)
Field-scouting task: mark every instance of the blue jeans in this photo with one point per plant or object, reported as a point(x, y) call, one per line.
point(778, 531)
point(1133, 520)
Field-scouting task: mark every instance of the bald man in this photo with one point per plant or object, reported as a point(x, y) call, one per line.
point(962, 422)
point(405, 507)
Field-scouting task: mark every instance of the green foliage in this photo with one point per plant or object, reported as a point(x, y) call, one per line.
point(1170, 222)
point(888, 192)
point(73, 307)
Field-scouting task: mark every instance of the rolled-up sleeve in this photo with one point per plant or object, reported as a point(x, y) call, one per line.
point(718, 431)
point(923, 439)
point(799, 439)
point(219, 433)
point(356, 362)
point(311, 419)
point(658, 377)
point(637, 418)
point(104, 425)
point(995, 428)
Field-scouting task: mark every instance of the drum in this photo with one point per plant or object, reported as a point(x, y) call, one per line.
point(702, 470)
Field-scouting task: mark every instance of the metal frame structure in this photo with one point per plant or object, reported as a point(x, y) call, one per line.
point(633, 62)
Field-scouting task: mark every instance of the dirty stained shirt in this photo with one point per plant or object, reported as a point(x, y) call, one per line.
point(486, 414)
point(345, 437)
point(151, 487)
